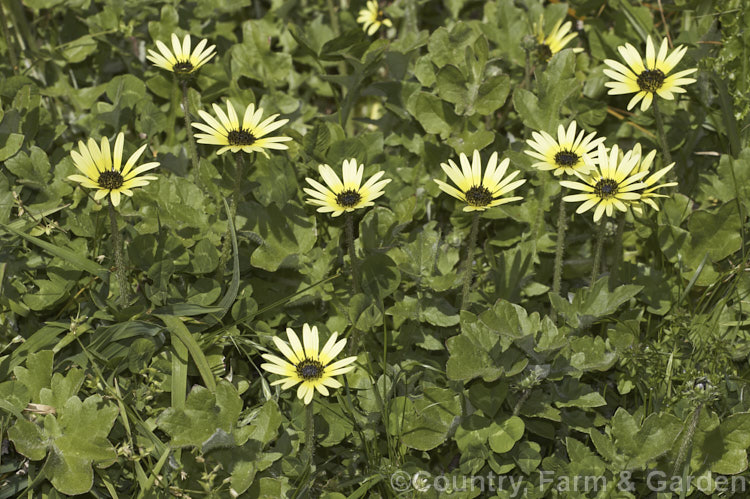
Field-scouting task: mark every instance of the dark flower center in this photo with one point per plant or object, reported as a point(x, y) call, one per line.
point(606, 188)
point(183, 67)
point(309, 369)
point(566, 158)
point(543, 52)
point(240, 137)
point(651, 80)
point(478, 196)
point(110, 179)
point(348, 198)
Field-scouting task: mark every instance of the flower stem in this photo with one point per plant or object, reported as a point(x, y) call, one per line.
point(333, 16)
point(352, 255)
point(598, 251)
point(8, 41)
point(562, 225)
point(239, 165)
point(354, 334)
point(226, 247)
point(309, 434)
point(522, 400)
point(617, 257)
point(662, 133)
point(188, 127)
point(122, 280)
point(469, 259)
point(527, 70)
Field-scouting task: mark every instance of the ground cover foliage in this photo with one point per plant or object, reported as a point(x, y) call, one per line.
point(161, 394)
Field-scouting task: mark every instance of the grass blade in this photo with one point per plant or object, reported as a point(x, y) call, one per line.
point(178, 330)
point(66, 254)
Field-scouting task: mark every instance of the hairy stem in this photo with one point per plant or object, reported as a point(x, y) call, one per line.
point(239, 165)
point(598, 250)
point(354, 335)
point(226, 247)
point(662, 133)
point(309, 434)
point(122, 279)
point(617, 256)
point(528, 69)
point(562, 225)
point(189, 129)
point(467, 270)
point(352, 255)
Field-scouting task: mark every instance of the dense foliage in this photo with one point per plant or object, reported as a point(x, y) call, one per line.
point(151, 384)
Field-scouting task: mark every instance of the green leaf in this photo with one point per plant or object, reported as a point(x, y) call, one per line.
point(264, 423)
point(285, 233)
point(640, 18)
point(541, 111)
point(492, 94)
point(234, 285)
point(33, 169)
point(37, 374)
point(722, 448)
point(488, 397)
point(423, 422)
point(591, 354)
point(716, 234)
point(62, 388)
point(473, 431)
point(14, 396)
point(639, 444)
point(85, 426)
point(591, 304)
point(448, 46)
point(432, 113)
point(451, 86)
point(80, 49)
point(380, 276)
point(582, 460)
point(126, 90)
point(576, 394)
point(528, 456)
point(28, 439)
point(205, 257)
point(364, 313)
point(76, 439)
point(473, 352)
point(505, 433)
point(208, 416)
point(254, 59)
point(10, 144)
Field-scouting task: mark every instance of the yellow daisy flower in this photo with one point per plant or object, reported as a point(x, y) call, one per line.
point(306, 365)
point(611, 185)
point(102, 169)
point(650, 77)
point(348, 195)
point(568, 154)
point(179, 60)
point(248, 137)
point(480, 193)
point(555, 41)
point(372, 18)
point(648, 192)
